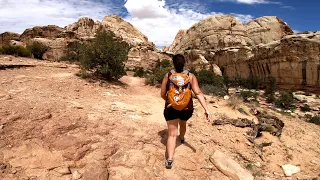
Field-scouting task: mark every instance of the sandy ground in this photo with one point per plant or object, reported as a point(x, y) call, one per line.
point(55, 125)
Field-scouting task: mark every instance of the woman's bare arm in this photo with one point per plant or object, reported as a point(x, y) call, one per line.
point(197, 91)
point(164, 87)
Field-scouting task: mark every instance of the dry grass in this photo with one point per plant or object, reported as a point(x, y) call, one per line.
point(234, 102)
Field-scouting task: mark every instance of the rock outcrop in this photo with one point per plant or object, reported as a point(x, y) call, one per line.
point(7, 37)
point(294, 60)
point(142, 54)
point(221, 31)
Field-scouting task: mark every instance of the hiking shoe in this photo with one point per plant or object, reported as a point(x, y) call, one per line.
point(181, 140)
point(169, 164)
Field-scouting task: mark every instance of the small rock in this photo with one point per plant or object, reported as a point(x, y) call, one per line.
point(257, 164)
point(229, 167)
point(211, 101)
point(146, 113)
point(1, 126)
point(316, 161)
point(76, 175)
point(14, 117)
point(309, 114)
point(216, 106)
point(226, 97)
point(62, 170)
point(135, 117)
point(289, 169)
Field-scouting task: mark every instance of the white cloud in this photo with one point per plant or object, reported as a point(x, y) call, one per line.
point(165, 22)
point(251, 1)
point(17, 15)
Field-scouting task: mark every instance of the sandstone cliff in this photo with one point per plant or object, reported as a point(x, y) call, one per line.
point(294, 60)
point(220, 31)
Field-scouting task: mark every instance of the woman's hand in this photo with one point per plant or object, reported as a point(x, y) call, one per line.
point(208, 116)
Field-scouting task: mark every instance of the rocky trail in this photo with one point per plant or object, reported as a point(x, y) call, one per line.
point(55, 125)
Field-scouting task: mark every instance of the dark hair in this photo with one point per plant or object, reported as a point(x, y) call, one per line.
point(178, 62)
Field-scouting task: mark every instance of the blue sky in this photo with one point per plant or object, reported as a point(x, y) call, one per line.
point(159, 20)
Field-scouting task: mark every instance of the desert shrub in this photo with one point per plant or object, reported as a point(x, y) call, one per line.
point(246, 95)
point(139, 72)
point(1, 50)
point(37, 49)
point(165, 63)
point(73, 52)
point(205, 77)
point(16, 51)
point(252, 82)
point(286, 101)
point(212, 89)
point(105, 55)
point(270, 98)
point(158, 73)
point(305, 108)
point(315, 120)
point(271, 86)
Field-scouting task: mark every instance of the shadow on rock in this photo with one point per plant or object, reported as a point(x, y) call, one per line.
point(164, 136)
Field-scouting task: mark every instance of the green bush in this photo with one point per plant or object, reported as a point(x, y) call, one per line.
point(1, 50)
point(73, 52)
point(271, 86)
point(248, 94)
point(270, 98)
point(212, 89)
point(286, 101)
point(105, 55)
point(139, 72)
point(37, 49)
point(305, 108)
point(165, 63)
point(205, 77)
point(315, 120)
point(16, 51)
point(252, 82)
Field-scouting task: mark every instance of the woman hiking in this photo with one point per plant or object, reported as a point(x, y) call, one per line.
point(176, 91)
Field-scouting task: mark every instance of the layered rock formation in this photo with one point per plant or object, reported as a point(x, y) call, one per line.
point(142, 54)
point(220, 31)
point(263, 47)
point(294, 60)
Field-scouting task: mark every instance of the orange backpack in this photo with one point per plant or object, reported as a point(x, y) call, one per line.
point(179, 90)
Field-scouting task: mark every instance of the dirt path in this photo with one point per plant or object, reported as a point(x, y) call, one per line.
point(54, 125)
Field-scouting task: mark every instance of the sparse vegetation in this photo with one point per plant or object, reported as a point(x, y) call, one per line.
point(315, 120)
point(139, 72)
point(234, 102)
point(73, 52)
point(16, 51)
point(1, 50)
point(252, 82)
point(271, 98)
point(210, 84)
point(37, 49)
point(286, 101)
point(159, 72)
point(305, 108)
point(105, 56)
point(248, 95)
point(250, 166)
point(271, 86)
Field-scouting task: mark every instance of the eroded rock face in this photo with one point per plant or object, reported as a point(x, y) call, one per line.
point(267, 29)
point(214, 32)
point(49, 32)
point(221, 31)
point(294, 60)
point(6, 37)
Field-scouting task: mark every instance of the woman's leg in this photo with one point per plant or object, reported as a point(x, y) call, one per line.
point(183, 128)
point(172, 137)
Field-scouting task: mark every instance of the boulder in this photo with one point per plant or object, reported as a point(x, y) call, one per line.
point(229, 167)
point(6, 37)
point(289, 169)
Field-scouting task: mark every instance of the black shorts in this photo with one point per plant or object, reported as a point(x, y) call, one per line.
point(172, 114)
